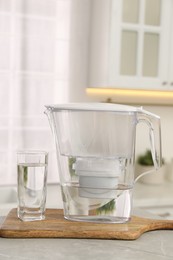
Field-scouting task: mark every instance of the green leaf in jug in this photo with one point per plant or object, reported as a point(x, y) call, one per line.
point(107, 208)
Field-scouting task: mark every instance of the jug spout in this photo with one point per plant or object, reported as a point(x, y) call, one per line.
point(48, 113)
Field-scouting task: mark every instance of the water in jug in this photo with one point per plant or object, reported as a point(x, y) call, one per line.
point(95, 145)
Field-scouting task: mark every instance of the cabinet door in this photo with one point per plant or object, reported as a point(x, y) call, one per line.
point(139, 44)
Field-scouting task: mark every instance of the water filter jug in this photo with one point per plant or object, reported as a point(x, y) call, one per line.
point(95, 144)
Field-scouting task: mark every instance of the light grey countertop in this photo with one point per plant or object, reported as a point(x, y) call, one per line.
point(151, 245)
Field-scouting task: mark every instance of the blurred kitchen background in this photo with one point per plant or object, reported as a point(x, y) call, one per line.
point(59, 51)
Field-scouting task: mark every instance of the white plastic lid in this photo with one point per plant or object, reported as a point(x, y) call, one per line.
point(95, 107)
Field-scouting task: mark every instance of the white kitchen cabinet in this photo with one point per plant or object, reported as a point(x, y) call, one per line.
point(131, 44)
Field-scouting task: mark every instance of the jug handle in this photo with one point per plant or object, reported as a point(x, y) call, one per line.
point(153, 123)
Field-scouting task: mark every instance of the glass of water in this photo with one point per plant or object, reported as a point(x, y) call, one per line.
point(32, 184)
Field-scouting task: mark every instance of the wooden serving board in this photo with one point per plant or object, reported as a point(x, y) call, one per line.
point(55, 226)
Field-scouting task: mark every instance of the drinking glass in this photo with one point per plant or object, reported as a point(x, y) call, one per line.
point(32, 182)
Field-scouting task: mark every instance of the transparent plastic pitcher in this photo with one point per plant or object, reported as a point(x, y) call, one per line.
point(95, 145)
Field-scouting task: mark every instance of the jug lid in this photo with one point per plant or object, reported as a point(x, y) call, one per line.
point(94, 107)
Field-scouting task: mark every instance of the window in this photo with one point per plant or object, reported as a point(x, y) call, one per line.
point(34, 51)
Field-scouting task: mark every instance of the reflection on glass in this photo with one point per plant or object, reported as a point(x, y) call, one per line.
point(130, 11)
point(128, 53)
point(150, 54)
point(152, 12)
